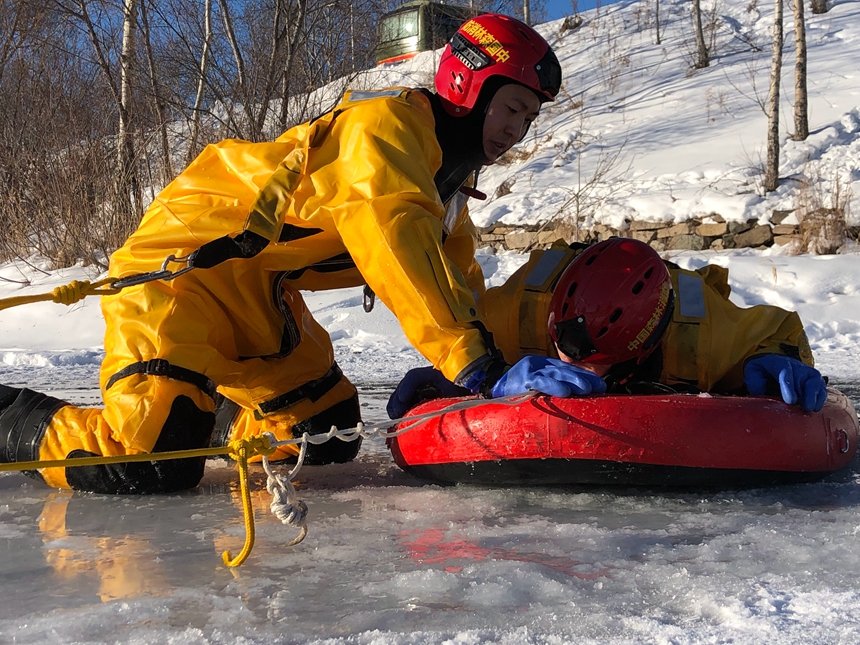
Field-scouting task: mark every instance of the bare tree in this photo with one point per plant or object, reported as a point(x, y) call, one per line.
point(819, 6)
point(771, 177)
point(128, 187)
point(245, 98)
point(127, 195)
point(657, 21)
point(702, 55)
point(17, 22)
point(158, 103)
point(201, 81)
point(295, 20)
point(801, 101)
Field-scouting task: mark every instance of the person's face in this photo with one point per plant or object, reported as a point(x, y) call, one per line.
point(600, 370)
point(509, 115)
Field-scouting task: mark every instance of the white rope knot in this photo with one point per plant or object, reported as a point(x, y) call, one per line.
point(286, 505)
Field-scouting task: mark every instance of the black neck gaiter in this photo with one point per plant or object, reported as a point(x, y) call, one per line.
point(462, 138)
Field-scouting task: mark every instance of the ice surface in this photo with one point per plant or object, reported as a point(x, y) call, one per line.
point(392, 560)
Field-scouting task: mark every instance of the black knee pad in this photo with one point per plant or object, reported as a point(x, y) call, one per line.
point(345, 414)
point(24, 417)
point(187, 427)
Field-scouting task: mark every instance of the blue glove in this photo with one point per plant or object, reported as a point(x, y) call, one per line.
point(419, 385)
point(798, 382)
point(549, 376)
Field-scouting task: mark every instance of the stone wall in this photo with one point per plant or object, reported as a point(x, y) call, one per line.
point(696, 234)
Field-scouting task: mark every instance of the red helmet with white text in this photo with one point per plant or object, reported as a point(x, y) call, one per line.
point(612, 303)
point(495, 45)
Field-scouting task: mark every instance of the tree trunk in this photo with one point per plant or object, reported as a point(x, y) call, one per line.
point(296, 31)
point(657, 20)
point(280, 34)
point(158, 103)
point(771, 176)
point(801, 101)
point(128, 187)
point(241, 77)
point(702, 57)
point(527, 18)
point(201, 81)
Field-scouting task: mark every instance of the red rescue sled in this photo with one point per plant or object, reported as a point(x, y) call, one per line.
point(649, 440)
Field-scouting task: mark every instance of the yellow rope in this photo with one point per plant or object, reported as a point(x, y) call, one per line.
point(241, 451)
point(117, 459)
point(66, 294)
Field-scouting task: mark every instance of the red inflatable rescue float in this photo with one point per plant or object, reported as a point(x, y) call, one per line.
point(650, 440)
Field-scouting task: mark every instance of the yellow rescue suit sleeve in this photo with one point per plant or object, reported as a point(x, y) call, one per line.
point(380, 158)
point(460, 247)
point(710, 337)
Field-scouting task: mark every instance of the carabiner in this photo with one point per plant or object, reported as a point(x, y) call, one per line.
point(162, 274)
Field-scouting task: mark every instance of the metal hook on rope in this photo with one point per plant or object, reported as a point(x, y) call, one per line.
point(162, 274)
point(242, 450)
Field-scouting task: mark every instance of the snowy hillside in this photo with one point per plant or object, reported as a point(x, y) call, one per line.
point(638, 133)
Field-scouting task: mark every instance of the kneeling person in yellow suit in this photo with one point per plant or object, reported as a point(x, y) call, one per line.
point(371, 193)
point(617, 311)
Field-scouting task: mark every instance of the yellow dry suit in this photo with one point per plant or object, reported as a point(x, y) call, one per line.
point(345, 200)
point(705, 345)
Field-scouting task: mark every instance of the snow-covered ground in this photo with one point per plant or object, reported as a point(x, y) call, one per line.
point(390, 560)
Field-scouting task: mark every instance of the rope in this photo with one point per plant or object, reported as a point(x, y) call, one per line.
point(241, 450)
point(286, 505)
point(76, 290)
point(67, 294)
point(115, 459)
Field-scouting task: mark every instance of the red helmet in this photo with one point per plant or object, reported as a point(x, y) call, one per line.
point(612, 303)
point(495, 45)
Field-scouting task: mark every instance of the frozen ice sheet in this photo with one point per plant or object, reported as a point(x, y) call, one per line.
point(392, 560)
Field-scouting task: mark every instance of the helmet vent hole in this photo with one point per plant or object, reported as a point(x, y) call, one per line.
point(615, 316)
point(649, 272)
point(563, 310)
point(590, 260)
point(638, 287)
point(571, 290)
point(602, 331)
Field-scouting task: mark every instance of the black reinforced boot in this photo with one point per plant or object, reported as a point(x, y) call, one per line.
point(187, 427)
point(346, 414)
point(24, 416)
